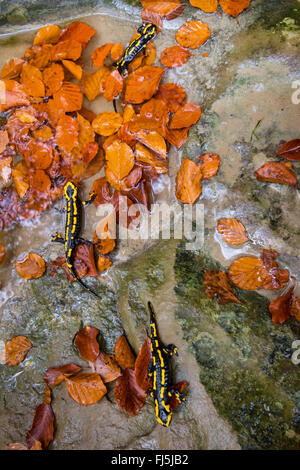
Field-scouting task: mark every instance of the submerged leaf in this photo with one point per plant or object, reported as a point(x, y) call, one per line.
point(193, 34)
point(217, 284)
point(142, 84)
point(186, 116)
point(32, 266)
point(174, 56)
point(16, 350)
point(234, 7)
point(188, 182)
point(232, 231)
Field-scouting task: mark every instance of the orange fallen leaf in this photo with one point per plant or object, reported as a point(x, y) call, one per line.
point(290, 150)
point(74, 69)
point(99, 55)
point(85, 389)
point(188, 182)
point(273, 277)
point(177, 137)
point(78, 31)
point(47, 35)
point(128, 395)
point(42, 430)
point(173, 95)
point(14, 95)
point(43, 134)
point(68, 98)
point(12, 69)
point(209, 6)
point(277, 172)
point(68, 49)
point(120, 159)
point(141, 366)
point(247, 273)
point(5, 169)
point(55, 375)
point(149, 16)
point(234, 7)
point(103, 263)
point(31, 77)
point(40, 184)
point(2, 253)
point(154, 141)
point(142, 84)
point(16, 350)
point(154, 116)
point(116, 51)
point(20, 179)
point(232, 231)
point(107, 123)
point(32, 266)
point(87, 344)
point(101, 189)
point(67, 132)
point(174, 56)
point(280, 308)
point(209, 164)
point(295, 308)
point(89, 152)
point(113, 85)
point(193, 34)
point(123, 353)
point(186, 116)
point(166, 9)
point(53, 77)
point(217, 285)
point(144, 155)
point(93, 83)
point(107, 367)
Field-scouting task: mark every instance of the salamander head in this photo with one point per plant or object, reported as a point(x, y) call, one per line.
point(171, 349)
point(149, 29)
point(70, 190)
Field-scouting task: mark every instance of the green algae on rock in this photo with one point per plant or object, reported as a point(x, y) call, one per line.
point(245, 360)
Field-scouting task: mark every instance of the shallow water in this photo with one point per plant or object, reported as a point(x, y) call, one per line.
point(246, 77)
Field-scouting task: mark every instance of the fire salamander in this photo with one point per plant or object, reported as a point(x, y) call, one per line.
point(146, 32)
point(71, 239)
point(159, 374)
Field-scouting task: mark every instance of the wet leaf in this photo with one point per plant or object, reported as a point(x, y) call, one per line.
point(68, 98)
point(177, 137)
point(67, 132)
point(103, 263)
point(280, 308)
point(142, 84)
point(99, 55)
point(120, 159)
point(188, 182)
point(234, 7)
point(69, 49)
point(78, 31)
point(141, 366)
point(87, 344)
point(113, 85)
point(186, 116)
point(173, 95)
point(144, 155)
point(14, 95)
point(55, 375)
point(154, 116)
point(47, 35)
point(93, 83)
point(107, 367)
point(74, 69)
point(128, 395)
point(217, 285)
point(105, 245)
point(86, 389)
point(32, 266)
point(107, 123)
point(5, 169)
point(166, 9)
point(174, 56)
point(16, 350)
point(295, 308)
point(247, 273)
point(193, 34)
point(149, 16)
point(101, 189)
point(89, 152)
point(273, 277)
point(53, 77)
point(277, 172)
point(209, 6)
point(232, 231)
point(31, 77)
point(116, 51)
point(12, 69)
point(209, 165)
point(123, 353)
point(42, 429)
point(154, 141)
point(290, 150)
point(2, 253)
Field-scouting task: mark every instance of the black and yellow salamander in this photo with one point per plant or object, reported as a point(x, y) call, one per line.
point(73, 209)
point(159, 374)
point(146, 32)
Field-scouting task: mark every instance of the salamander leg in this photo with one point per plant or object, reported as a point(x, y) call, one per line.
point(58, 238)
point(115, 105)
point(79, 240)
point(90, 199)
point(61, 211)
point(179, 396)
point(171, 349)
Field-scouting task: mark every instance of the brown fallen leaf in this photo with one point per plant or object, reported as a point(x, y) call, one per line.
point(87, 344)
point(186, 116)
point(123, 353)
point(107, 367)
point(86, 389)
point(232, 231)
point(16, 350)
point(234, 7)
point(217, 285)
point(247, 273)
point(32, 266)
point(4, 140)
point(2, 253)
point(141, 365)
point(280, 308)
point(290, 150)
point(42, 429)
point(188, 182)
point(277, 172)
point(55, 375)
point(273, 277)
point(128, 395)
point(209, 164)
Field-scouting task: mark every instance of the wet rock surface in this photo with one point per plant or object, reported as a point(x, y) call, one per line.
point(244, 388)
